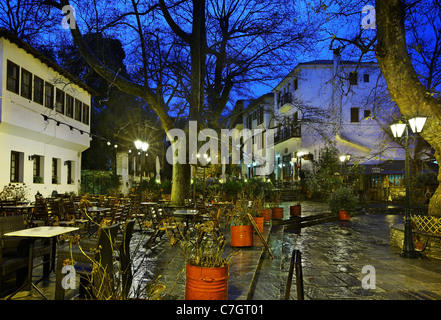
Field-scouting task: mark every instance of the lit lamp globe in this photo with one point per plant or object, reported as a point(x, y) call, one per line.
point(417, 124)
point(397, 129)
point(138, 144)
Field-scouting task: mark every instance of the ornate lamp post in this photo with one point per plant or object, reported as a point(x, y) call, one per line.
point(416, 124)
point(141, 146)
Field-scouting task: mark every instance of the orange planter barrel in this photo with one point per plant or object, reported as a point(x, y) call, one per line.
point(241, 236)
point(295, 210)
point(206, 283)
point(259, 223)
point(266, 214)
point(343, 215)
point(277, 213)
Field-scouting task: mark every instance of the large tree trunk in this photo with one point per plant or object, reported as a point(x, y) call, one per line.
point(402, 81)
point(197, 42)
point(181, 183)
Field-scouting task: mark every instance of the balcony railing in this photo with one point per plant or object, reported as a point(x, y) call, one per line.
point(285, 98)
point(287, 132)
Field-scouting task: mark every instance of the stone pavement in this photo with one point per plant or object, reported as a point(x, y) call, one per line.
point(333, 257)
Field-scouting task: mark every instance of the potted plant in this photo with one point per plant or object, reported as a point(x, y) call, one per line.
point(230, 189)
point(259, 204)
point(342, 202)
point(207, 269)
point(241, 228)
point(296, 209)
point(258, 219)
point(276, 210)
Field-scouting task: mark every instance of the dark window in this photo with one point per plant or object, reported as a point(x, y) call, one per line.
point(54, 170)
point(353, 78)
point(295, 117)
point(367, 114)
point(49, 96)
point(354, 114)
point(38, 90)
point(260, 116)
point(249, 121)
point(69, 106)
point(38, 162)
point(77, 112)
point(366, 77)
point(13, 77)
point(59, 101)
point(26, 84)
point(69, 172)
point(296, 84)
point(15, 166)
point(85, 114)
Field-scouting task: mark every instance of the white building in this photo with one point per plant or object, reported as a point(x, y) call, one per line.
point(255, 115)
point(331, 101)
point(44, 120)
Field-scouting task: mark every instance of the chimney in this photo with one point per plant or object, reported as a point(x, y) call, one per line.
point(337, 59)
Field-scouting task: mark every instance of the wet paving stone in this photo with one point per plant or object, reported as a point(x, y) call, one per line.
point(333, 257)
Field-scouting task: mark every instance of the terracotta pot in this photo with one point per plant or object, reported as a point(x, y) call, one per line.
point(277, 213)
point(259, 223)
point(241, 236)
point(206, 283)
point(266, 214)
point(343, 215)
point(295, 210)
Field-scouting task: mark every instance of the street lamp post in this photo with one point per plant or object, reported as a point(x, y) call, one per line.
point(344, 158)
point(416, 124)
point(141, 146)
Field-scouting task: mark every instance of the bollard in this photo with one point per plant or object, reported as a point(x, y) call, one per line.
point(296, 260)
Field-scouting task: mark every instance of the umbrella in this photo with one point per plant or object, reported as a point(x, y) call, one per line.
point(158, 169)
point(223, 177)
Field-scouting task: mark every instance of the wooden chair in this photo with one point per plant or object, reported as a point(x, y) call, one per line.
point(39, 215)
point(55, 210)
point(164, 224)
point(211, 228)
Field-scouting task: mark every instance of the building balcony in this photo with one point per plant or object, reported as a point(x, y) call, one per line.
point(285, 98)
point(288, 132)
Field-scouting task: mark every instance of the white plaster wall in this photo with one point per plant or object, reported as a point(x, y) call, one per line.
point(23, 129)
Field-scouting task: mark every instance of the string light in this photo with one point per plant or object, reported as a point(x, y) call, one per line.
point(46, 118)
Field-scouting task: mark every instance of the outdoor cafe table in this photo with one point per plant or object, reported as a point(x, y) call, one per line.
point(98, 211)
point(188, 213)
point(32, 234)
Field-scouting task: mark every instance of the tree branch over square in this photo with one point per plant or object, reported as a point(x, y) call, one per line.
point(219, 47)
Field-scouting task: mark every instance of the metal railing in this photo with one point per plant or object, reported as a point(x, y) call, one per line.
point(287, 132)
point(296, 261)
